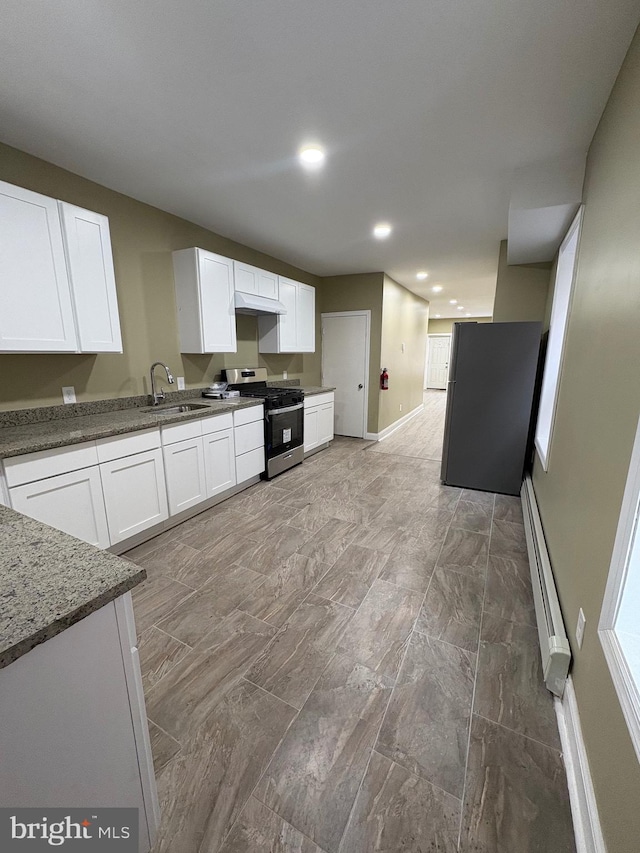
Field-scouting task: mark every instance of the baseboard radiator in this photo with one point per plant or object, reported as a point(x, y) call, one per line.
point(554, 645)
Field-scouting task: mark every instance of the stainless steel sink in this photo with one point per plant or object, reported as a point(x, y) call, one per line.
point(176, 410)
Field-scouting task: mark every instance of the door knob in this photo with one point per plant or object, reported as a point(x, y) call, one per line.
point(360, 386)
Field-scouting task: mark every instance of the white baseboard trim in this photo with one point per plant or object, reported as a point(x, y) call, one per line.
point(584, 809)
point(380, 436)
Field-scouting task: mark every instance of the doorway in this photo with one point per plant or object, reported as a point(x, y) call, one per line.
point(345, 366)
point(439, 347)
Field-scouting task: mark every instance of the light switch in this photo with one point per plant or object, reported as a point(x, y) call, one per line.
point(68, 394)
point(580, 628)
point(180, 383)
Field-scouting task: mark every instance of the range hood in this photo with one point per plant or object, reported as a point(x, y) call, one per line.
point(251, 303)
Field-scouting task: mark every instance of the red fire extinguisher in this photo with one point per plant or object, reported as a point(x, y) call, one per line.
point(384, 380)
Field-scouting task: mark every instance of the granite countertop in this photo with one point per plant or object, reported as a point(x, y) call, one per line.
point(310, 390)
point(49, 581)
point(29, 437)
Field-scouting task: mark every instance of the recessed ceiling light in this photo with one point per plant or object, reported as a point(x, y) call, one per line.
point(311, 156)
point(436, 288)
point(382, 230)
point(460, 307)
point(422, 275)
point(437, 316)
point(453, 302)
point(467, 314)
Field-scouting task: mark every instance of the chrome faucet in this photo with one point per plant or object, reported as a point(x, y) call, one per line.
point(158, 396)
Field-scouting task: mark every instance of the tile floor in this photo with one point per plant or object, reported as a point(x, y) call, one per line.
point(345, 660)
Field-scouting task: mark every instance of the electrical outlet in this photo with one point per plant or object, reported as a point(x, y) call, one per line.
point(68, 394)
point(580, 628)
point(285, 374)
point(180, 383)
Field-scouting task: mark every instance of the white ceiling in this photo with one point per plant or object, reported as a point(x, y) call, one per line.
point(425, 109)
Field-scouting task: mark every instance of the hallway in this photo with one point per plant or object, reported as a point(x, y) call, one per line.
point(345, 660)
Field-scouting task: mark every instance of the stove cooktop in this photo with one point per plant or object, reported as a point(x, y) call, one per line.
point(274, 397)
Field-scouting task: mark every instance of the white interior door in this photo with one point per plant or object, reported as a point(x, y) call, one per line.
point(438, 367)
point(345, 366)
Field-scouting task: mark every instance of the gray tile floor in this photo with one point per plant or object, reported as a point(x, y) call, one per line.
point(345, 660)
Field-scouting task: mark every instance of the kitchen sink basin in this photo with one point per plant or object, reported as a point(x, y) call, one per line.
point(176, 410)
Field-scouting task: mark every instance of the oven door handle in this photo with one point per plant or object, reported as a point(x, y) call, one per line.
point(271, 412)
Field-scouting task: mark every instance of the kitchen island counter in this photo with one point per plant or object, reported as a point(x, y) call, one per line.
point(50, 581)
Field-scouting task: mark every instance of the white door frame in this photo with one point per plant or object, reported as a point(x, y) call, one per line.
point(426, 366)
point(366, 313)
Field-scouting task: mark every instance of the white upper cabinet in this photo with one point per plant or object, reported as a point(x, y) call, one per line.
point(250, 279)
point(36, 313)
point(87, 242)
point(294, 331)
point(205, 301)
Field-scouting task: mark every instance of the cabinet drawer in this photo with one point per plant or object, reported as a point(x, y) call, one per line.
point(117, 446)
point(49, 463)
point(248, 415)
point(180, 432)
point(318, 400)
point(249, 437)
point(249, 464)
point(217, 423)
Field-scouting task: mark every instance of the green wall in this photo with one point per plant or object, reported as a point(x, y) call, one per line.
point(521, 290)
point(598, 405)
point(404, 338)
point(360, 293)
point(143, 238)
point(445, 326)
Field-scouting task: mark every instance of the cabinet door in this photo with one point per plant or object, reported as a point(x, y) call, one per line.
point(325, 423)
point(267, 284)
point(35, 297)
point(184, 471)
point(217, 304)
point(287, 323)
point(71, 502)
point(134, 493)
point(93, 285)
point(219, 462)
point(245, 277)
point(249, 464)
point(306, 318)
point(311, 428)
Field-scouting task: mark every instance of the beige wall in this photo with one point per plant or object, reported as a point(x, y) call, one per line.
point(599, 401)
point(521, 290)
point(143, 238)
point(360, 293)
point(404, 326)
point(445, 327)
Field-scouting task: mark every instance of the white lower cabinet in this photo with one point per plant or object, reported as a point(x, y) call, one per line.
point(70, 502)
point(185, 474)
point(219, 462)
point(318, 420)
point(76, 701)
point(249, 441)
point(134, 493)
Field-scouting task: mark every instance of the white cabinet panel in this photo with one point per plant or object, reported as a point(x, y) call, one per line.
point(217, 423)
point(205, 301)
point(310, 429)
point(306, 319)
point(295, 330)
point(72, 702)
point(47, 463)
point(249, 279)
point(70, 502)
point(325, 423)
point(219, 461)
point(87, 242)
point(248, 415)
point(134, 493)
point(184, 471)
point(117, 446)
point(249, 464)
point(248, 437)
point(36, 313)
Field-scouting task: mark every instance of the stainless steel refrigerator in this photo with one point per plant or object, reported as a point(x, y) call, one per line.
point(490, 399)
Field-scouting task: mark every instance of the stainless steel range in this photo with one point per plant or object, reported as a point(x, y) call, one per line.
point(283, 417)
